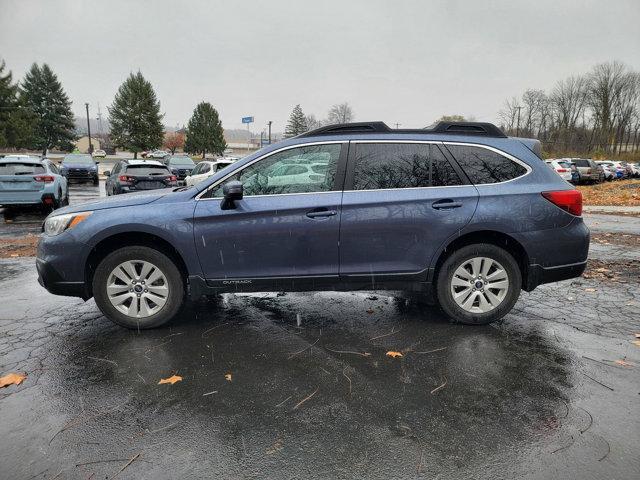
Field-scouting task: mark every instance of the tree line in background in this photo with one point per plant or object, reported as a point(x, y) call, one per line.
point(35, 114)
point(597, 113)
point(300, 123)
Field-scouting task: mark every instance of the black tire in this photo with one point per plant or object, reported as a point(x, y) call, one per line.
point(176, 285)
point(96, 181)
point(458, 258)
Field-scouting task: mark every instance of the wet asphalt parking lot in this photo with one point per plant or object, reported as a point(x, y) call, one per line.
point(300, 386)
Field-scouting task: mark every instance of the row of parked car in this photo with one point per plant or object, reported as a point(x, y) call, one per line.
point(31, 181)
point(586, 170)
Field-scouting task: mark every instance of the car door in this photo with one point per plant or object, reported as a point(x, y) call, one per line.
point(279, 229)
point(402, 200)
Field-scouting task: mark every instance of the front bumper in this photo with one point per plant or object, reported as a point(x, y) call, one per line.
point(52, 280)
point(60, 264)
point(83, 175)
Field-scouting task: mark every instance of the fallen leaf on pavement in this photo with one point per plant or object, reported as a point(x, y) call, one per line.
point(393, 354)
point(623, 363)
point(12, 379)
point(227, 377)
point(589, 289)
point(636, 342)
point(637, 335)
point(370, 310)
point(171, 380)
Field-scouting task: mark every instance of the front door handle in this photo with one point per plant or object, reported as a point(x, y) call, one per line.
point(445, 204)
point(321, 212)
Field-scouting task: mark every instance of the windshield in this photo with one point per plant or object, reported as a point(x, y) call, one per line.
point(20, 168)
point(181, 161)
point(77, 159)
point(148, 170)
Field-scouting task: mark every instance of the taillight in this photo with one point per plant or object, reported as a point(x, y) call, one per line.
point(44, 178)
point(588, 171)
point(173, 178)
point(568, 200)
point(125, 178)
point(562, 170)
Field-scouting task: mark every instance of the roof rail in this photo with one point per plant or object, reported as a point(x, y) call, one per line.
point(448, 128)
point(342, 128)
point(468, 128)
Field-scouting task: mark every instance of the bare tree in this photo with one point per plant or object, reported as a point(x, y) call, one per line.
point(340, 113)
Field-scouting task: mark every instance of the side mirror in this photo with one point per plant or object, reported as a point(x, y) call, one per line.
point(107, 173)
point(232, 191)
point(97, 163)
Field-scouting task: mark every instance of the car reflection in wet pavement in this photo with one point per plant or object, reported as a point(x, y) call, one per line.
point(301, 386)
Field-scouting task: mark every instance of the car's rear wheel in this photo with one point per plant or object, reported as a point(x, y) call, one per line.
point(138, 287)
point(478, 284)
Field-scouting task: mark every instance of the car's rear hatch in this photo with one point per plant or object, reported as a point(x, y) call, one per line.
point(150, 182)
point(19, 183)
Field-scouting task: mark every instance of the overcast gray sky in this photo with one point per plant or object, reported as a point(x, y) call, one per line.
point(398, 61)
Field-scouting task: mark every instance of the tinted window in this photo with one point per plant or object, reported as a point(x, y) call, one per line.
point(485, 166)
point(54, 169)
point(401, 165)
point(182, 161)
point(147, 170)
point(78, 159)
point(270, 176)
point(20, 168)
point(582, 163)
point(205, 168)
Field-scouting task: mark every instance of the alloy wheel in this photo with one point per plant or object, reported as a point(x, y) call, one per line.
point(137, 288)
point(479, 285)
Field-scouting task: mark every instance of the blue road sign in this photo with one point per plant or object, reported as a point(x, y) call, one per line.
point(247, 119)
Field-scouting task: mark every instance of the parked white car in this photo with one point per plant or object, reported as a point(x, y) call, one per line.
point(99, 154)
point(158, 154)
point(205, 169)
point(561, 167)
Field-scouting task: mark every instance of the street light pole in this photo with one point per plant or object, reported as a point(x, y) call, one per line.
point(270, 122)
point(89, 128)
point(518, 126)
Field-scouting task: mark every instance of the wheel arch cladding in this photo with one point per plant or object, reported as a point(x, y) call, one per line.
point(130, 239)
point(498, 239)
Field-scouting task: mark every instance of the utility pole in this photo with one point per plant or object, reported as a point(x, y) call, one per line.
point(398, 125)
point(518, 125)
point(89, 129)
point(270, 122)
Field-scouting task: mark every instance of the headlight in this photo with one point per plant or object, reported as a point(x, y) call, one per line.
point(59, 223)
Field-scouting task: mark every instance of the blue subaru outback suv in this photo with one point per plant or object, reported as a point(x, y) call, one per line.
point(459, 214)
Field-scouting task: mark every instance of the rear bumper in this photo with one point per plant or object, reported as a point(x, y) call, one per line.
point(26, 198)
point(539, 275)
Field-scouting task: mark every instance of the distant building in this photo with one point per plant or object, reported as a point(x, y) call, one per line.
point(82, 144)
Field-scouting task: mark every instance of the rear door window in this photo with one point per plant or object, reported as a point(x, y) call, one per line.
point(484, 166)
point(21, 169)
point(378, 166)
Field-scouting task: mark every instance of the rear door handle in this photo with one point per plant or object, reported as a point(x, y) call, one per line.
point(445, 204)
point(321, 212)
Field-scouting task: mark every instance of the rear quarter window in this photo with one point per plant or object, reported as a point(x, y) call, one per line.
point(484, 166)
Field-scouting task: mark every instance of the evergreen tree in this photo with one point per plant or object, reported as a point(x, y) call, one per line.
point(134, 115)
point(204, 131)
point(297, 123)
point(49, 108)
point(8, 102)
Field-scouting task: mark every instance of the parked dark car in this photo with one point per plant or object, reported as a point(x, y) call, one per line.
point(180, 165)
point(80, 167)
point(459, 214)
point(136, 175)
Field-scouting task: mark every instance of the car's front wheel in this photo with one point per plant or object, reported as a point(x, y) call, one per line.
point(478, 284)
point(138, 287)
